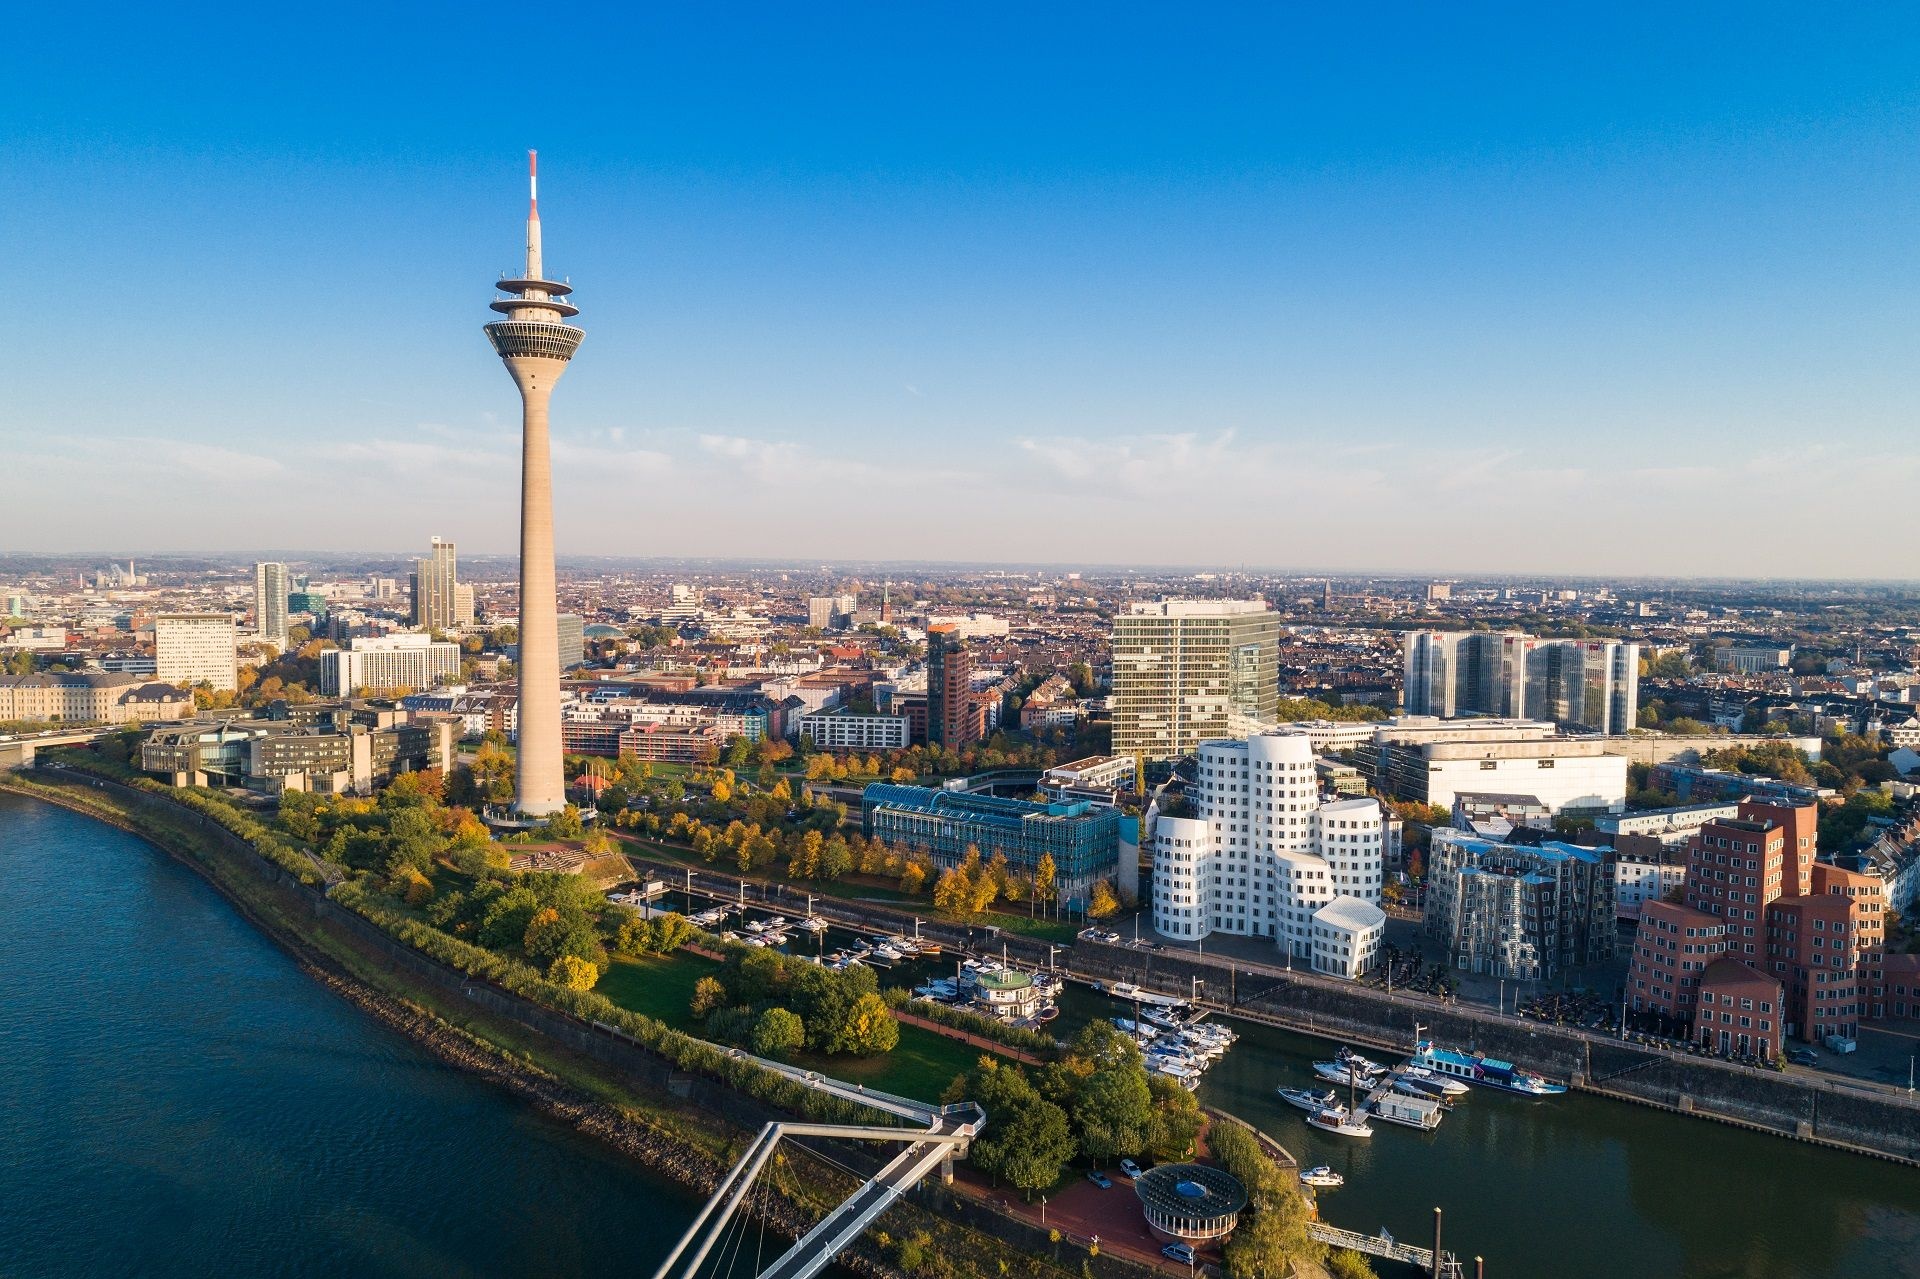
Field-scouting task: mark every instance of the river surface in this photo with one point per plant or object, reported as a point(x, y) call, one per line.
point(177, 1098)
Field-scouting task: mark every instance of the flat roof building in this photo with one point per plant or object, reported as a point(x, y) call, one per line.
point(1186, 671)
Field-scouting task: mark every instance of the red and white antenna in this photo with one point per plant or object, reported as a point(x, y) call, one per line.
point(533, 215)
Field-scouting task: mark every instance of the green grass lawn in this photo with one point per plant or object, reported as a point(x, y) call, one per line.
point(660, 988)
point(920, 1066)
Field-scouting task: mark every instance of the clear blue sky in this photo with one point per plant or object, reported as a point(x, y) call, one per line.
point(1425, 288)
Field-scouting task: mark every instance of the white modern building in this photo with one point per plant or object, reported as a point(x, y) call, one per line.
point(1347, 935)
point(839, 730)
point(1332, 737)
point(196, 648)
point(1261, 855)
point(410, 660)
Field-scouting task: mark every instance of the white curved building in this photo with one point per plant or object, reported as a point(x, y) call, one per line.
point(1260, 853)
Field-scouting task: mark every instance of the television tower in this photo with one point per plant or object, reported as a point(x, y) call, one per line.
point(535, 343)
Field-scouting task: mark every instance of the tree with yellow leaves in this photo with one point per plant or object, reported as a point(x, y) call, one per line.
point(570, 972)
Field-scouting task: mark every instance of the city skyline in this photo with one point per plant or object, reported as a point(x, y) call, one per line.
point(1291, 305)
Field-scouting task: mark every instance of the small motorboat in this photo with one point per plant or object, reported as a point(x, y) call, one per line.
point(1450, 1087)
point(1321, 1178)
point(1307, 1099)
point(1343, 1072)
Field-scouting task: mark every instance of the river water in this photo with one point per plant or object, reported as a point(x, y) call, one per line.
point(177, 1098)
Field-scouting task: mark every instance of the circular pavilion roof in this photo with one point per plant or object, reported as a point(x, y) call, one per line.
point(1190, 1190)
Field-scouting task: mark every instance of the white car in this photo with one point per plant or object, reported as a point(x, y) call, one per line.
point(1131, 1168)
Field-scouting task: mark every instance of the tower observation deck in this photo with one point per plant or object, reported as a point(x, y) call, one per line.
point(536, 343)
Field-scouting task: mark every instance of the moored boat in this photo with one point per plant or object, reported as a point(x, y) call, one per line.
point(1307, 1099)
point(1341, 1122)
point(1321, 1178)
point(1347, 1072)
point(1483, 1071)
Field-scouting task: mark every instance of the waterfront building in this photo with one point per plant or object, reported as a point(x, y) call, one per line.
point(536, 344)
point(1737, 867)
point(342, 748)
point(1195, 1204)
point(1576, 683)
point(1519, 910)
point(435, 583)
point(196, 648)
point(86, 697)
point(1347, 934)
point(1083, 838)
point(841, 730)
point(1188, 671)
point(272, 585)
point(409, 660)
point(1672, 947)
point(1826, 949)
point(1260, 854)
point(1739, 1010)
point(953, 714)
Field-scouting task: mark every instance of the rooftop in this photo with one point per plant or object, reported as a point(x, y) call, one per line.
point(1190, 1190)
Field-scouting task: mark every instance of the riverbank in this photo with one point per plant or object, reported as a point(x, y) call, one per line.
point(685, 1127)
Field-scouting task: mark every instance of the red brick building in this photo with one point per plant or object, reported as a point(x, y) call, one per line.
point(1826, 948)
point(1739, 1010)
point(1672, 949)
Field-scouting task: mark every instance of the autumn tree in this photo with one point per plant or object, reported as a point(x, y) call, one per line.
point(573, 973)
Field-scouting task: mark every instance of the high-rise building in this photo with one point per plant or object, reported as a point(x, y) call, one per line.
point(831, 612)
point(536, 344)
point(570, 636)
point(1585, 684)
point(271, 586)
point(196, 648)
point(1185, 671)
point(953, 719)
point(436, 583)
point(1261, 856)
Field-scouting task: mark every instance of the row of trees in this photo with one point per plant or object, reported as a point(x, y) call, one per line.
point(1097, 1101)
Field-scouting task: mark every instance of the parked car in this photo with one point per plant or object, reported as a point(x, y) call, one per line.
point(1099, 1179)
point(1131, 1168)
point(1803, 1056)
point(1840, 1044)
point(1180, 1252)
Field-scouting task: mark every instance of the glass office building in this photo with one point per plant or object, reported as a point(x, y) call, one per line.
point(1083, 838)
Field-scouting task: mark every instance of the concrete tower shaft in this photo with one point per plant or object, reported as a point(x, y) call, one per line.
point(536, 343)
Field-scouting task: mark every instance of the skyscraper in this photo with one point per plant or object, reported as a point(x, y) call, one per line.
point(271, 586)
point(536, 344)
point(951, 719)
point(1185, 671)
point(436, 584)
point(1590, 684)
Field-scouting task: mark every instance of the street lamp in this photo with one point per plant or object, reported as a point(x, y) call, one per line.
point(1052, 950)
